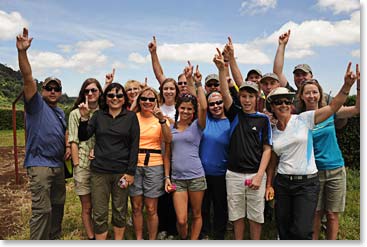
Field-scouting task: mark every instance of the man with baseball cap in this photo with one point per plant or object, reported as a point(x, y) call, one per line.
point(211, 83)
point(45, 150)
point(254, 75)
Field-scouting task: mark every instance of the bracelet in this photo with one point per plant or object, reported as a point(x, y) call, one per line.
point(198, 84)
point(68, 147)
point(166, 177)
point(345, 93)
point(162, 121)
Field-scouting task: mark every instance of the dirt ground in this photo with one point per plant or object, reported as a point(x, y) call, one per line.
point(13, 197)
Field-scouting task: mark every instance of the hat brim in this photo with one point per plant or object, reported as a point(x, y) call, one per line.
point(278, 96)
point(252, 88)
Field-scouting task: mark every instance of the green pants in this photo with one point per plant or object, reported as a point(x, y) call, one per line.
point(47, 186)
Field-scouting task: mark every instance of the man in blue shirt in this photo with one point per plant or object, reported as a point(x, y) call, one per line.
point(45, 149)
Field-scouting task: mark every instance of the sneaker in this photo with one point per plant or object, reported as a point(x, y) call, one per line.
point(162, 235)
point(170, 237)
point(205, 237)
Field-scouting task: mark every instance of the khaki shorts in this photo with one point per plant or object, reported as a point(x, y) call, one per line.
point(195, 184)
point(148, 181)
point(333, 187)
point(81, 177)
point(243, 201)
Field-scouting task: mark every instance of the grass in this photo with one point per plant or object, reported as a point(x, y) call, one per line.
point(6, 138)
point(73, 228)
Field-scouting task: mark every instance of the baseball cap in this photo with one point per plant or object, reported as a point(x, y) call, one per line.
point(50, 79)
point(304, 67)
point(250, 84)
point(280, 92)
point(257, 71)
point(269, 75)
point(211, 77)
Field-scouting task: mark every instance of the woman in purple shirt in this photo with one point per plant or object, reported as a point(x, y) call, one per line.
point(187, 170)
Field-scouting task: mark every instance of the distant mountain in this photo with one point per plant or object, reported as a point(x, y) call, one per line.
point(11, 85)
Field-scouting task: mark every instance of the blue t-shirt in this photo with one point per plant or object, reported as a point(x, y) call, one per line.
point(186, 163)
point(45, 134)
point(214, 146)
point(327, 152)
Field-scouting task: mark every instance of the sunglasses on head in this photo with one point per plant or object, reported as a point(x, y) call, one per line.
point(216, 84)
point(218, 102)
point(280, 102)
point(113, 95)
point(49, 88)
point(182, 83)
point(93, 90)
point(147, 99)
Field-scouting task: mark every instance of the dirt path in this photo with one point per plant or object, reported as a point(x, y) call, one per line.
point(13, 197)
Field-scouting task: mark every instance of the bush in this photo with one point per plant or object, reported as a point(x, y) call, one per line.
point(6, 122)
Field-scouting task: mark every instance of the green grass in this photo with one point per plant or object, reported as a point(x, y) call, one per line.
point(6, 138)
point(73, 228)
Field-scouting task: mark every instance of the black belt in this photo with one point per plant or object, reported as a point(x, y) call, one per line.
point(298, 177)
point(147, 153)
point(152, 151)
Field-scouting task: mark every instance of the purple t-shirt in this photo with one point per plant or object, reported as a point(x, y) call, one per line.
point(186, 163)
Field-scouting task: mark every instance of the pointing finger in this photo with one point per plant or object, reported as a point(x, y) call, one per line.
point(154, 39)
point(219, 53)
point(113, 72)
point(229, 40)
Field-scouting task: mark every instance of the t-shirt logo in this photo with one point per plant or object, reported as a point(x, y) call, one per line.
point(254, 128)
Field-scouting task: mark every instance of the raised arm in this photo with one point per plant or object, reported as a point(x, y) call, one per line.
point(202, 104)
point(279, 58)
point(188, 71)
point(23, 43)
point(223, 70)
point(228, 54)
point(325, 112)
point(350, 111)
point(157, 68)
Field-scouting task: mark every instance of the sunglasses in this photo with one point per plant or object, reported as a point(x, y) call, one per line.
point(212, 85)
point(49, 88)
point(93, 90)
point(132, 89)
point(182, 83)
point(219, 102)
point(280, 102)
point(113, 95)
point(147, 99)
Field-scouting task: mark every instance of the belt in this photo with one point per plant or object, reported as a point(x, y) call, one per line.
point(298, 177)
point(153, 151)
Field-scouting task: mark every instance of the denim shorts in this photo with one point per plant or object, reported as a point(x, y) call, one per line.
point(148, 181)
point(195, 184)
point(333, 189)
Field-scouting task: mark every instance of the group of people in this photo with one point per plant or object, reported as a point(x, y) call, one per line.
point(178, 153)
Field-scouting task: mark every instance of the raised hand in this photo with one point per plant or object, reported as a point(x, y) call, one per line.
point(350, 77)
point(219, 60)
point(197, 75)
point(145, 84)
point(358, 74)
point(153, 45)
point(188, 70)
point(283, 39)
point(228, 51)
point(158, 113)
point(84, 109)
point(23, 41)
point(110, 77)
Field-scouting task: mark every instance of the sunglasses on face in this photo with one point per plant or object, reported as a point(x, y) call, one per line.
point(93, 90)
point(180, 83)
point(219, 102)
point(132, 89)
point(280, 102)
point(147, 99)
point(49, 88)
point(113, 95)
point(212, 85)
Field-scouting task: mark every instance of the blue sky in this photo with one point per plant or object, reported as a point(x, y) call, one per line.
point(78, 39)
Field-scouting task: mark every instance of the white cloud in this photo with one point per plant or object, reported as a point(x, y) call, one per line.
point(87, 56)
point(356, 53)
point(11, 25)
point(118, 65)
point(137, 58)
point(339, 6)
point(253, 7)
point(203, 52)
point(316, 33)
